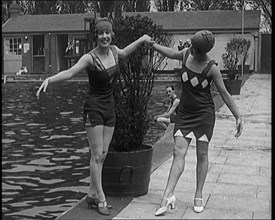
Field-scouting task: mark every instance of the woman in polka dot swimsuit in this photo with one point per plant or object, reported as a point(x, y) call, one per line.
point(196, 112)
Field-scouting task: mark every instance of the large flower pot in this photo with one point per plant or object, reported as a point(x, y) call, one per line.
point(127, 173)
point(233, 86)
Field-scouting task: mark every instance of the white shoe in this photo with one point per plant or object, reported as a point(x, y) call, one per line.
point(170, 202)
point(198, 209)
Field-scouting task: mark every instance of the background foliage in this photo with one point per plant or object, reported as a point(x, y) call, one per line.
point(236, 51)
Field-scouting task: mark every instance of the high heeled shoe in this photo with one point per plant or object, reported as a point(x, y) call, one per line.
point(170, 202)
point(92, 202)
point(103, 208)
point(197, 208)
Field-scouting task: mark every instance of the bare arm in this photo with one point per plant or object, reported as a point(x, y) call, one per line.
point(79, 67)
point(169, 52)
point(227, 98)
point(133, 46)
point(172, 109)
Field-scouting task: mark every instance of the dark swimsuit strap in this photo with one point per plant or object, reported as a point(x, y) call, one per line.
point(112, 47)
point(208, 67)
point(186, 56)
point(98, 61)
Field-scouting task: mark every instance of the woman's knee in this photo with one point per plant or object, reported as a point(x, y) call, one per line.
point(202, 156)
point(202, 152)
point(96, 158)
point(179, 151)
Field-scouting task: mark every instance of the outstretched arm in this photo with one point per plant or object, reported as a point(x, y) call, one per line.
point(227, 98)
point(133, 46)
point(169, 52)
point(79, 67)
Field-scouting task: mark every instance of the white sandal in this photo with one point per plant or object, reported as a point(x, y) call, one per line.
point(170, 202)
point(198, 209)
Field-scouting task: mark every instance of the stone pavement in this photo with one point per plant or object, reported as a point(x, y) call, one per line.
point(238, 184)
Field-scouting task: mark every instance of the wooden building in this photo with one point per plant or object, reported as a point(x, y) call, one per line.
point(41, 42)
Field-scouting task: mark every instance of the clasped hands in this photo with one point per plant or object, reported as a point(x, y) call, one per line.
point(148, 41)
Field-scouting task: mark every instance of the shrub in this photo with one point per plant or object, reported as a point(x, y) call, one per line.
point(134, 85)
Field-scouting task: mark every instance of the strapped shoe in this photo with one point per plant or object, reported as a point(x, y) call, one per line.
point(103, 208)
point(198, 208)
point(170, 202)
point(92, 202)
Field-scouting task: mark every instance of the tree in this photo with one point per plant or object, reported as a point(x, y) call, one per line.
point(202, 5)
point(136, 5)
point(266, 11)
point(5, 11)
point(165, 5)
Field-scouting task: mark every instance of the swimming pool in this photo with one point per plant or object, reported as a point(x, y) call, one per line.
point(45, 160)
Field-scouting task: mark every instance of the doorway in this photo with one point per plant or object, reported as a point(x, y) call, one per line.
point(38, 54)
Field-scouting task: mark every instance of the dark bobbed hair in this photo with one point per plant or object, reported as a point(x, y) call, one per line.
point(171, 86)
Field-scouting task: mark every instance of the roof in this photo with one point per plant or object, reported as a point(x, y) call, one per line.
point(218, 19)
point(171, 21)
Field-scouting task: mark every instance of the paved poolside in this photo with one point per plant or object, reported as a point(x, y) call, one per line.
point(238, 184)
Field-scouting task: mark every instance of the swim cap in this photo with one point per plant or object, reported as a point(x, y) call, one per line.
point(103, 24)
point(203, 41)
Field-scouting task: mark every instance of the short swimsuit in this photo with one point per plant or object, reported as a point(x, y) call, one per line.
point(196, 110)
point(99, 107)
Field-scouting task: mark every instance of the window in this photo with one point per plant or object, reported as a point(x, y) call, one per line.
point(13, 46)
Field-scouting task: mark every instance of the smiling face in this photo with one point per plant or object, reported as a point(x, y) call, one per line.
point(104, 32)
point(104, 38)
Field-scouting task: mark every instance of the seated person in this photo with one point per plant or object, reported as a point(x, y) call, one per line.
point(169, 116)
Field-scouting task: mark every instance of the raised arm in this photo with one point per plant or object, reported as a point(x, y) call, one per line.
point(133, 46)
point(169, 52)
point(227, 98)
point(79, 67)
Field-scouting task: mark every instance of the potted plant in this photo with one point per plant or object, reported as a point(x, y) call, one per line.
point(231, 58)
point(127, 168)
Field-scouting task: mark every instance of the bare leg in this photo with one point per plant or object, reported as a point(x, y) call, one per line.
point(163, 122)
point(202, 166)
point(95, 138)
point(107, 137)
point(180, 149)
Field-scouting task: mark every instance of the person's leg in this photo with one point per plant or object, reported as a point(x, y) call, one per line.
point(177, 167)
point(163, 122)
point(201, 170)
point(95, 139)
point(107, 137)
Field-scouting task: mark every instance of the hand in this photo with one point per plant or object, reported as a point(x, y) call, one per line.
point(147, 40)
point(239, 127)
point(43, 86)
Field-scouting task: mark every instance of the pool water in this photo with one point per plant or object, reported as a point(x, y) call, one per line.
point(45, 157)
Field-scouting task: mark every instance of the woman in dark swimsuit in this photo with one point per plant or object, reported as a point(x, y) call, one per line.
point(101, 64)
point(196, 112)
